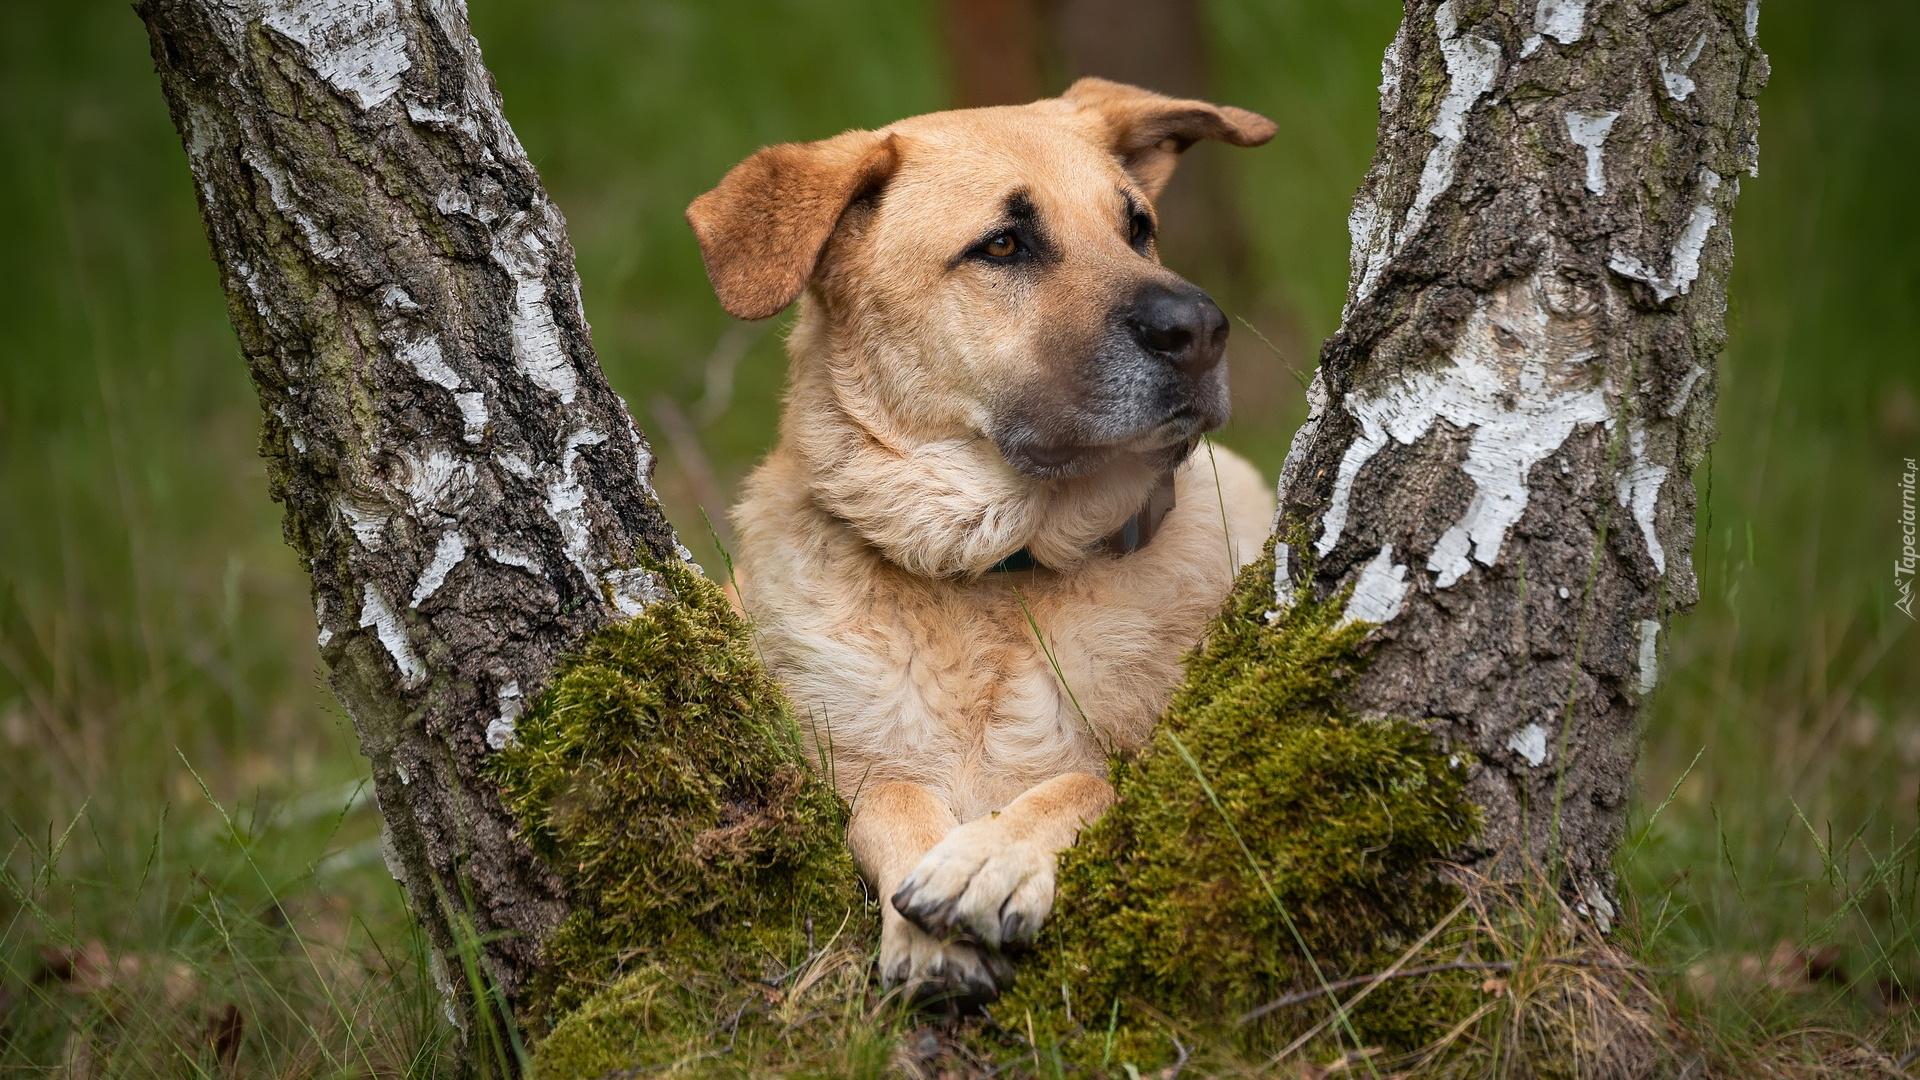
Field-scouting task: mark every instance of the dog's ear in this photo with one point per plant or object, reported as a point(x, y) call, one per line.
point(762, 229)
point(1148, 132)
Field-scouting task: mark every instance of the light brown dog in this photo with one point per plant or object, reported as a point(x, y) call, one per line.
point(992, 376)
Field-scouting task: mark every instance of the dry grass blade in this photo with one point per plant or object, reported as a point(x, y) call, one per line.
point(1367, 980)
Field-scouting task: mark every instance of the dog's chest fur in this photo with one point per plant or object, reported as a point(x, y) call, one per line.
point(944, 682)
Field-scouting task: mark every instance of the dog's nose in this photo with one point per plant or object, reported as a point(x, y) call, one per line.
point(1183, 327)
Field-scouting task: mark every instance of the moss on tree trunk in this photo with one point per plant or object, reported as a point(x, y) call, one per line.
point(663, 776)
point(1269, 839)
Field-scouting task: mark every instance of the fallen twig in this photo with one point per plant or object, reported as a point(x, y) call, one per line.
point(1180, 1063)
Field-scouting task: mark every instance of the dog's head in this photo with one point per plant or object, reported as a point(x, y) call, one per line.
point(993, 272)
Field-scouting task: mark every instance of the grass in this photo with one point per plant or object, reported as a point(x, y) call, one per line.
point(153, 627)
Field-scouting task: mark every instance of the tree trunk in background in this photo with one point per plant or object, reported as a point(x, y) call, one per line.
point(1503, 433)
point(993, 48)
point(468, 492)
point(1009, 52)
point(1162, 45)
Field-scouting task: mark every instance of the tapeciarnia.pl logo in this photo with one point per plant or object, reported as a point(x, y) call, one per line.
point(1903, 567)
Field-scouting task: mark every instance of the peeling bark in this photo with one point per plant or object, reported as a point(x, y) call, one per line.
point(470, 495)
point(1503, 432)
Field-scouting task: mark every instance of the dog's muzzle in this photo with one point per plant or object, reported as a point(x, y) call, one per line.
point(1154, 382)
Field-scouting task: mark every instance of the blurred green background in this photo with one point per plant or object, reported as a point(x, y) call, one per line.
point(186, 826)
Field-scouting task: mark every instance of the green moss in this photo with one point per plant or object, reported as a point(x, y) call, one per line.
point(682, 1022)
point(617, 1028)
point(1267, 823)
point(1266, 816)
point(662, 777)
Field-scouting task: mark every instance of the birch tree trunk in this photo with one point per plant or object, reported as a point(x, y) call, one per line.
point(1503, 433)
point(470, 495)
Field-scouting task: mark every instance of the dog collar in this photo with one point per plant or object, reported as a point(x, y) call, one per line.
point(1130, 537)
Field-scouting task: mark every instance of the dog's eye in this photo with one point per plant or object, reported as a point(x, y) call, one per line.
point(1141, 231)
point(1002, 246)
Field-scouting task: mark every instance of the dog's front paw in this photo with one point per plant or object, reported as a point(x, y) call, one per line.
point(959, 974)
point(980, 883)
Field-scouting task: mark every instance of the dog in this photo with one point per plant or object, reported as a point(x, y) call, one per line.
point(987, 534)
